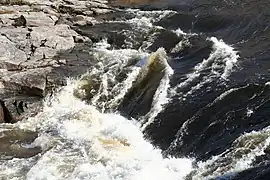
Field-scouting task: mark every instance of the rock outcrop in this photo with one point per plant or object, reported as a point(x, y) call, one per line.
point(39, 48)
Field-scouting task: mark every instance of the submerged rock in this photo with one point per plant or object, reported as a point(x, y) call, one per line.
point(87, 87)
point(138, 100)
point(17, 143)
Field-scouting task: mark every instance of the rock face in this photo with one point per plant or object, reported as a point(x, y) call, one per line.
point(5, 115)
point(39, 48)
point(2, 115)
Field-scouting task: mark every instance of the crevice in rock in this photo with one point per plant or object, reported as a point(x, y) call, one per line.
point(6, 115)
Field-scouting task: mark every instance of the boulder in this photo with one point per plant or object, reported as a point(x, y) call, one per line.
point(30, 82)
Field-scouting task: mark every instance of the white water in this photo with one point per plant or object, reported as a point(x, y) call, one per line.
point(239, 157)
point(111, 63)
point(245, 149)
point(134, 63)
point(184, 42)
point(79, 142)
point(220, 63)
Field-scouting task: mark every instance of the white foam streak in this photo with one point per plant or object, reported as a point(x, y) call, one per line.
point(228, 55)
point(245, 149)
point(220, 62)
point(184, 42)
point(154, 16)
point(125, 86)
point(144, 19)
point(180, 32)
point(111, 64)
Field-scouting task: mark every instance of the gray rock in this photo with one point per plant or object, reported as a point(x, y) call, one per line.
point(39, 49)
point(59, 37)
point(10, 55)
point(82, 20)
point(31, 82)
point(35, 19)
point(98, 11)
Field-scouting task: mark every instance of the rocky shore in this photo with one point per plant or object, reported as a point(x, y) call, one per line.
point(39, 49)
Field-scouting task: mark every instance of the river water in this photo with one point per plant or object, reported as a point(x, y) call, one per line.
point(172, 95)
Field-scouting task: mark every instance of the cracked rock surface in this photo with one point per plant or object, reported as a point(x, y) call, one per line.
point(39, 48)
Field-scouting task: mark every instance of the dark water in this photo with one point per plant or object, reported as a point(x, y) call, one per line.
point(210, 120)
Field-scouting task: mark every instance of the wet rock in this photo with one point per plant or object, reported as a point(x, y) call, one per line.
point(137, 102)
point(165, 39)
point(31, 105)
point(111, 31)
point(183, 20)
point(214, 127)
point(17, 143)
point(261, 172)
point(118, 34)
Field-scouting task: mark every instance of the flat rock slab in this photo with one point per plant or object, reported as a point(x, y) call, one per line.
point(59, 37)
point(32, 82)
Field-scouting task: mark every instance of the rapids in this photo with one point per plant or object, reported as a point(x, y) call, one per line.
point(169, 97)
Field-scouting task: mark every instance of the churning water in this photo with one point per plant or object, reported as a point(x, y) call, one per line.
point(108, 123)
